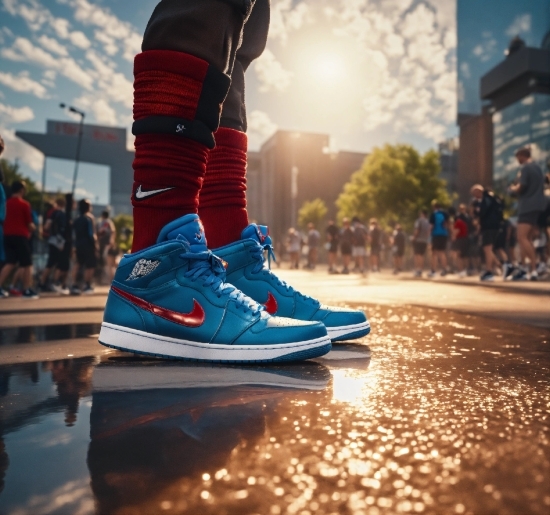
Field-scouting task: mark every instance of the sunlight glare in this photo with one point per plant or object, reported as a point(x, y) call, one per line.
point(329, 67)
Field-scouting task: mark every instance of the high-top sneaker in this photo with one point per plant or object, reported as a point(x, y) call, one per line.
point(246, 269)
point(171, 300)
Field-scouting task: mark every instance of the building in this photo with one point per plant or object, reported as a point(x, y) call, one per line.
point(502, 94)
point(448, 160)
point(290, 169)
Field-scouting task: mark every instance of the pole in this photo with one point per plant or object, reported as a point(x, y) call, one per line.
point(41, 212)
point(77, 158)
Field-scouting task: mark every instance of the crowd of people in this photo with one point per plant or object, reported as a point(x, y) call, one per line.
point(475, 238)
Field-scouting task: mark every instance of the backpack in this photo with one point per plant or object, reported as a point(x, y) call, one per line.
point(498, 207)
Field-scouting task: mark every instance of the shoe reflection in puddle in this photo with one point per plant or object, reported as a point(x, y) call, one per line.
point(155, 423)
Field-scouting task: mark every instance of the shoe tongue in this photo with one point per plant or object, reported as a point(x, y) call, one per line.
point(188, 227)
point(259, 233)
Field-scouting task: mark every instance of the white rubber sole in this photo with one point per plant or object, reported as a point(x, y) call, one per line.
point(352, 331)
point(132, 340)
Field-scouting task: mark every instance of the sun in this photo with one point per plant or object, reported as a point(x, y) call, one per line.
point(329, 67)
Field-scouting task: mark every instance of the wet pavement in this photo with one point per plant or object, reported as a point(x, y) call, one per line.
point(435, 412)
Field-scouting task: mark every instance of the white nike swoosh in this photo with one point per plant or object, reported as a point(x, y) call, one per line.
point(144, 194)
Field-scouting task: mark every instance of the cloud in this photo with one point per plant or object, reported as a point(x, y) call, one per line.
point(24, 51)
point(520, 25)
point(271, 74)
point(17, 149)
point(52, 45)
point(286, 17)
point(22, 83)
point(260, 128)
point(99, 107)
point(12, 114)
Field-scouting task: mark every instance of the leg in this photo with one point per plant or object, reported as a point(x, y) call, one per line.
point(181, 80)
point(222, 201)
point(5, 272)
point(526, 247)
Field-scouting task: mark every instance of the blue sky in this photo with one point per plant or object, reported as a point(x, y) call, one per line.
point(366, 72)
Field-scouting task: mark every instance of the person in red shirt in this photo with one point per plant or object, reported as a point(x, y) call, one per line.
point(460, 245)
point(18, 226)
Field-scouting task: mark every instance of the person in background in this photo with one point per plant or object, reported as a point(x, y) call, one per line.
point(375, 239)
point(420, 239)
point(57, 259)
point(85, 248)
point(346, 244)
point(333, 238)
point(439, 221)
point(461, 243)
point(293, 247)
point(313, 238)
point(489, 212)
point(2, 209)
point(529, 190)
point(18, 226)
point(504, 247)
point(106, 236)
point(359, 242)
point(398, 248)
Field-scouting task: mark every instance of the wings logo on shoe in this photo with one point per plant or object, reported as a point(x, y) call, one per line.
point(270, 304)
point(195, 318)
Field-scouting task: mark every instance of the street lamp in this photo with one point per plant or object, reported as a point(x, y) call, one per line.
point(82, 115)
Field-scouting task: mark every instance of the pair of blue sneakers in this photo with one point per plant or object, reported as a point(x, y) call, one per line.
point(179, 300)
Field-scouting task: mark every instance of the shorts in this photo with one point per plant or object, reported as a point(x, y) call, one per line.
point(500, 241)
point(58, 258)
point(86, 256)
point(333, 247)
point(399, 252)
point(375, 250)
point(345, 249)
point(419, 248)
point(439, 243)
point(18, 250)
point(462, 246)
point(488, 237)
point(357, 251)
point(531, 218)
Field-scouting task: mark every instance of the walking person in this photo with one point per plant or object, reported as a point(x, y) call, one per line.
point(106, 237)
point(359, 244)
point(313, 239)
point(439, 222)
point(18, 227)
point(420, 239)
point(375, 240)
point(461, 242)
point(346, 244)
point(2, 210)
point(85, 247)
point(529, 190)
point(57, 259)
point(294, 247)
point(333, 239)
point(398, 248)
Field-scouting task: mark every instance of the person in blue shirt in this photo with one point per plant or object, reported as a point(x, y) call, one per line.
point(439, 221)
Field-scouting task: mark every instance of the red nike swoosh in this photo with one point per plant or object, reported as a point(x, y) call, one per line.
point(195, 318)
point(270, 304)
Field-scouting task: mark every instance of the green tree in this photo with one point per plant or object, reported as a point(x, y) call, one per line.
point(312, 211)
point(393, 184)
point(124, 232)
point(11, 174)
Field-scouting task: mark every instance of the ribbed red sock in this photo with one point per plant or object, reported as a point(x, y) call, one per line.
point(222, 201)
point(176, 109)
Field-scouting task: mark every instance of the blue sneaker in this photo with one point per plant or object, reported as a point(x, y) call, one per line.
point(246, 269)
point(171, 300)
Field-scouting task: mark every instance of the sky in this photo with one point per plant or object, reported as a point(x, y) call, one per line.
point(366, 72)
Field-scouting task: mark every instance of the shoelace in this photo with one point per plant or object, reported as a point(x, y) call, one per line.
point(258, 253)
point(209, 268)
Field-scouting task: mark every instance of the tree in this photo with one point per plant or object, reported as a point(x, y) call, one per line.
point(393, 184)
point(312, 211)
point(11, 173)
point(124, 232)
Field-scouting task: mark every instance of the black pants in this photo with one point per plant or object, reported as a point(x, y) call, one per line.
point(228, 34)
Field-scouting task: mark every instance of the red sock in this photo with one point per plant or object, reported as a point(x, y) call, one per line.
point(222, 202)
point(177, 101)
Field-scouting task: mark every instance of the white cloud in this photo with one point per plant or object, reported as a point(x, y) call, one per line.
point(286, 17)
point(52, 45)
point(520, 25)
point(79, 39)
point(271, 74)
point(12, 114)
point(23, 50)
point(99, 107)
point(260, 127)
point(17, 149)
point(22, 83)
